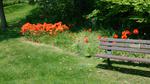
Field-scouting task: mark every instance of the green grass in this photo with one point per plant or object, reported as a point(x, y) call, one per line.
point(16, 13)
point(27, 62)
point(55, 62)
point(12, 2)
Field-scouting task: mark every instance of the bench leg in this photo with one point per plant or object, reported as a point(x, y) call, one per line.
point(108, 61)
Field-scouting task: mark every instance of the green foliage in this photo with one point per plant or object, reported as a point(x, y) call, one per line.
point(56, 8)
point(27, 62)
point(65, 9)
point(139, 5)
point(120, 14)
point(111, 11)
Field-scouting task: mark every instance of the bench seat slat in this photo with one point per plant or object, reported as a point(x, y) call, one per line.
point(144, 46)
point(123, 58)
point(126, 49)
point(126, 40)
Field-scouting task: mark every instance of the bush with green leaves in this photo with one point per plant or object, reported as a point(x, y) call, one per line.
point(110, 11)
point(121, 14)
point(56, 8)
point(65, 9)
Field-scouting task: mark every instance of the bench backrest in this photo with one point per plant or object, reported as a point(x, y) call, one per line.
point(129, 45)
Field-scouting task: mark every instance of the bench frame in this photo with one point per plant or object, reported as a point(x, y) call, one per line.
point(128, 45)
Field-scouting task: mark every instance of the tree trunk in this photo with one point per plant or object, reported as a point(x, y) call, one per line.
point(2, 17)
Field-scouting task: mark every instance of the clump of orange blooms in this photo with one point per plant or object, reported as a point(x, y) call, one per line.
point(51, 29)
point(126, 33)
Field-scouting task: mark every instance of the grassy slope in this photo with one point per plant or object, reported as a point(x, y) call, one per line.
point(38, 63)
point(24, 62)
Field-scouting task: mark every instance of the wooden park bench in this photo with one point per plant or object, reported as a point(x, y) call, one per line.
point(128, 45)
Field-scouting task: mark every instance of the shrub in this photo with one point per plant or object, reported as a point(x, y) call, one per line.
point(121, 12)
point(65, 9)
point(56, 8)
point(35, 30)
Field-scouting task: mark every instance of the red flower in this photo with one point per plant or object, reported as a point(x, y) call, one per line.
point(124, 33)
point(124, 37)
point(115, 36)
point(136, 31)
point(128, 32)
point(46, 27)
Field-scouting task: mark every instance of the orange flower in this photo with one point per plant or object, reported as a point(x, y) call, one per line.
point(65, 27)
point(46, 27)
point(99, 37)
point(25, 27)
point(86, 39)
point(124, 37)
point(124, 33)
point(115, 36)
point(136, 31)
point(58, 23)
point(128, 32)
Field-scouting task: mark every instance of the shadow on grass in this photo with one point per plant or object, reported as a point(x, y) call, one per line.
point(139, 72)
point(14, 27)
point(9, 34)
point(13, 30)
point(129, 63)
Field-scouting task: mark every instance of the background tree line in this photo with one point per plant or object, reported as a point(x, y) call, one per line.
point(110, 13)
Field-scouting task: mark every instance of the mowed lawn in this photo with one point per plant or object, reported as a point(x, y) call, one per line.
point(26, 62)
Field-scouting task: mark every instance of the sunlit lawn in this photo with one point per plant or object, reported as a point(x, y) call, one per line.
point(27, 62)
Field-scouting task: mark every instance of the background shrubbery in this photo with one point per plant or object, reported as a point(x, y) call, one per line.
point(96, 14)
point(65, 9)
point(121, 14)
point(111, 14)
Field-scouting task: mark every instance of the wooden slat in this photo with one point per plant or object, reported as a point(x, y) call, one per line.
point(126, 40)
point(126, 49)
point(123, 58)
point(144, 46)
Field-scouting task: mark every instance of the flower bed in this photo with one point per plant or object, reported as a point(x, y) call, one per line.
point(127, 34)
point(34, 31)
